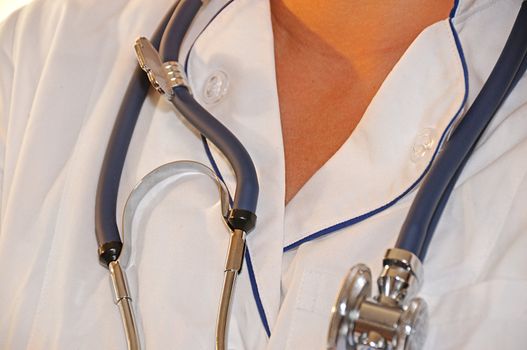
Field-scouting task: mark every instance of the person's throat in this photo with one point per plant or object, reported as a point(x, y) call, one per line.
point(355, 28)
point(331, 58)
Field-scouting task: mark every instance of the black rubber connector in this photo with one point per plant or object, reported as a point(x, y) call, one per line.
point(240, 219)
point(109, 252)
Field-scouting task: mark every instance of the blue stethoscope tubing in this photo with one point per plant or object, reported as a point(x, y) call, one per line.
point(169, 37)
point(431, 198)
point(106, 230)
point(426, 209)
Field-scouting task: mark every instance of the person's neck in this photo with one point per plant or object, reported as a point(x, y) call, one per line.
point(331, 58)
point(359, 30)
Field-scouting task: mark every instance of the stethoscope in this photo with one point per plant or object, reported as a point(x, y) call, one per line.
point(394, 318)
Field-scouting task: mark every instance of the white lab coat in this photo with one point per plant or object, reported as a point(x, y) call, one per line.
point(64, 67)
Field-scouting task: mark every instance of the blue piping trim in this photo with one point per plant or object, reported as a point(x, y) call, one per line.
point(206, 146)
point(256, 293)
point(355, 220)
point(211, 158)
point(459, 48)
point(454, 9)
point(214, 165)
point(204, 28)
point(328, 230)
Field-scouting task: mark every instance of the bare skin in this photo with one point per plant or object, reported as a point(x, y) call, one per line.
point(331, 58)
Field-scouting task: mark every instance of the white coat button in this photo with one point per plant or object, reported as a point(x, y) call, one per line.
point(216, 87)
point(424, 142)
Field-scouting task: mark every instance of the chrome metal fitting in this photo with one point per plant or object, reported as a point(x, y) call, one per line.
point(119, 282)
point(175, 74)
point(401, 277)
point(123, 300)
point(391, 320)
point(236, 251)
point(164, 76)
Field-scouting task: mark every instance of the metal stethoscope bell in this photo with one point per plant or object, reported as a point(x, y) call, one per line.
point(392, 320)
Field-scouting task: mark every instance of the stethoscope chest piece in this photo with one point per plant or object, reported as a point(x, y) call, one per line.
point(391, 320)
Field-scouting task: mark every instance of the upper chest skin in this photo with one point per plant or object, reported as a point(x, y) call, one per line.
point(325, 83)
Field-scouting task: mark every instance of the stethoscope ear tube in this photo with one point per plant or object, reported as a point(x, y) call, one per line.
point(168, 78)
point(246, 195)
point(242, 217)
point(167, 174)
point(417, 230)
point(177, 28)
point(106, 231)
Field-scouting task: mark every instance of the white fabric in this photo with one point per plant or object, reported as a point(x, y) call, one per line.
point(64, 66)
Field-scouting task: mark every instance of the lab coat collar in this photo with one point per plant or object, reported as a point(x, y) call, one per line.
point(394, 143)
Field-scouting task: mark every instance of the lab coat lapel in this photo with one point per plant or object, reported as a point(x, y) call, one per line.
point(393, 144)
point(237, 47)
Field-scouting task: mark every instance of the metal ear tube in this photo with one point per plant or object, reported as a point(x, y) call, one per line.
point(123, 300)
point(394, 319)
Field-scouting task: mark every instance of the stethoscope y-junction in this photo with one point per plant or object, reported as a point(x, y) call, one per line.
point(394, 318)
